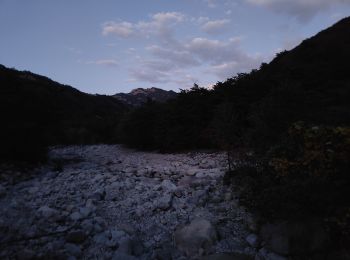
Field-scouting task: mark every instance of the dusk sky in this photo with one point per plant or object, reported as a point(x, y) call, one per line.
point(111, 46)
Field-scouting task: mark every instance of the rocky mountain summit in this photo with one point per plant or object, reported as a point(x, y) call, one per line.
point(140, 96)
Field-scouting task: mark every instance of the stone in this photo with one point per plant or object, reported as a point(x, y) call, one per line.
point(98, 195)
point(197, 238)
point(125, 246)
point(75, 216)
point(47, 212)
point(122, 256)
point(168, 186)
point(228, 256)
point(33, 190)
point(76, 237)
point(265, 254)
point(164, 202)
point(252, 240)
point(72, 249)
point(87, 225)
point(192, 172)
point(101, 238)
point(85, 212)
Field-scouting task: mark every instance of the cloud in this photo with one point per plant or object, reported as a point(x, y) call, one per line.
point(169, 59)
point(149, 75)
point(105, 62)
point(223, 58)
point(215, 26)
point(122, 29)
point(179, 58)
point(303, 10)
point(159, 23)
point(211, 3)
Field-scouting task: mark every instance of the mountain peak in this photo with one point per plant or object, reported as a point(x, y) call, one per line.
point(139, 96)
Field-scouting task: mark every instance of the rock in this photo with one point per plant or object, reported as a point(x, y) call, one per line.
point(295, 238)
point(168, 186)
point(164, 202)
point(33, 190)
point(85, 212)
point(252, 240)
point(125, 246)
point(199, 197)
point(72, 249)
point(200, 175)
point(192, 172)
point(47, 212)
point(197, 238)
point(87, 225)
point(75, 216)
point(264, 254)
point(187, 181)
point(98, 195)
point(76, 237)
point(101, 239)
point(121, 256)
point(179, 192)
point(228, 256)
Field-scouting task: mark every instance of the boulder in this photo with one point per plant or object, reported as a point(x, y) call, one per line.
point(197, 238)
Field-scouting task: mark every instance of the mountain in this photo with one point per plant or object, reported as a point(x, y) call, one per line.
point(36, 111)
point(140, 96)
point(309, 83)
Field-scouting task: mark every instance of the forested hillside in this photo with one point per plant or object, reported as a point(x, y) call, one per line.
point(36, 112)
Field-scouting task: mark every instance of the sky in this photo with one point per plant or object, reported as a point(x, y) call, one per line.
point(112, 46)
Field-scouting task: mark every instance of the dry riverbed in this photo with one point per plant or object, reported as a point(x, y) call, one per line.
point(108, 202)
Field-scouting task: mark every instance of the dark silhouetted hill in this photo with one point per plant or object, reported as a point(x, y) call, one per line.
point(36, 112)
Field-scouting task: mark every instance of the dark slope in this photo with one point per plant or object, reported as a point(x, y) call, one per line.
point(35, 109)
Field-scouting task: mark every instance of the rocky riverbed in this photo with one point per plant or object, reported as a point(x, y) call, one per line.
point(109, 202)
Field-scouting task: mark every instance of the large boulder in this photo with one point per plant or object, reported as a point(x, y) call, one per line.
point(197, 238)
